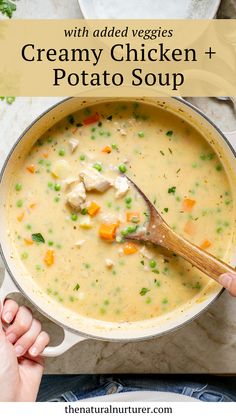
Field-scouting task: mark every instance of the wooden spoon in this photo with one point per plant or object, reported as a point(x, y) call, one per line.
point(158, 232)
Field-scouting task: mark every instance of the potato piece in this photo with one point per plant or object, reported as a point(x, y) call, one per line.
point(86, 222)
point(61, 169)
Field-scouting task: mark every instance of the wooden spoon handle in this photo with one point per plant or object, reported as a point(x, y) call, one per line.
point(204, 261)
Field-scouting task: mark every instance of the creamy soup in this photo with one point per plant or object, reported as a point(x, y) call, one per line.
point(70, 209)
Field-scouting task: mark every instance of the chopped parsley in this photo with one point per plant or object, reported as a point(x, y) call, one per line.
point(144, 291)
point(172, 190)
point(38, 238)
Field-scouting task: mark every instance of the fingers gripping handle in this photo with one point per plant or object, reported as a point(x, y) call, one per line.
point(70, 339)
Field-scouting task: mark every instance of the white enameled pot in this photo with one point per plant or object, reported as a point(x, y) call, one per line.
point(78, 328)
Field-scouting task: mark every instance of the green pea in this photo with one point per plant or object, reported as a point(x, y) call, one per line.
point(131, 229)
point(50, 243)
point(84, 211)
point(74, 217)
point(61, 152)
point(24, 255)
point(57, 187)
point(19, 203)
point(128, 200)
point(102, 311)
point(18, 187)
point(141, 134)
point(122, 168)
point(98, 167)
point(114, 146)
point(82, 157)
point(152, 263)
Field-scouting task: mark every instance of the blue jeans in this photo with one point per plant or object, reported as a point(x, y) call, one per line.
point(69, 388)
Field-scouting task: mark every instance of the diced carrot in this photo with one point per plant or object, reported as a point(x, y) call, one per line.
point(133, 216)
point(205, 244)
point(190, 227)
point(21, 216)
point(31, 168)
point(107, 231)
point(188, 204)
point(74, 130)
point(107, 149)
point(45, 155)
point(91, 119)
point(28, 241)
point(129, 248)
point(33, 205)
point(49, 258)
point(93, 209)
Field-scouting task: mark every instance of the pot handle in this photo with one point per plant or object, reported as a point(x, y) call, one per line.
point(70, 338)
point(7, 287)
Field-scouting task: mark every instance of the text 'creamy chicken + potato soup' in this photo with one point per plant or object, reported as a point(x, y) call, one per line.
point(70, 208)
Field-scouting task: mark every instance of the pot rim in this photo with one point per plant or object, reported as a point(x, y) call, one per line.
point(58, 322)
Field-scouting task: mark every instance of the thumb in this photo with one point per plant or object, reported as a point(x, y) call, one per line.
point(228, 281)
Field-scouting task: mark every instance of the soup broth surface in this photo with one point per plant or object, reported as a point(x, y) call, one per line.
point(78, 254)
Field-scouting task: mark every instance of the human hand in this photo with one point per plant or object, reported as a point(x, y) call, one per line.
point(21, 343)
point(229, 282)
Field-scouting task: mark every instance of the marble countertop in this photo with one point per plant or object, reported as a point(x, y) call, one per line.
point(208, 344)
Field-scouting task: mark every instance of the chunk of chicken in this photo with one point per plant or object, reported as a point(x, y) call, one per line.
point(121, 185)
point(94, 181)
point(73, 144)
point(77, 196)
point(68, 183)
